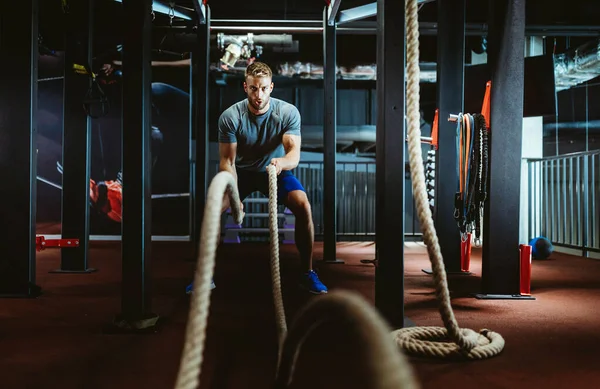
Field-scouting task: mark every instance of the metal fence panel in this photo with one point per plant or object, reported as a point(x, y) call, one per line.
point(562, 200)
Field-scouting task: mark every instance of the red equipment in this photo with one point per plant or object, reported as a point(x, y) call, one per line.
point(465, 254)
point(525, 255)
point(41, 243)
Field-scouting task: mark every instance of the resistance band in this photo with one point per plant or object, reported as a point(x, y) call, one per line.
point(472, 172)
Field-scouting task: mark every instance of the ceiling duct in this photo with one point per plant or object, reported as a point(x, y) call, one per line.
point(570, 69)
point(577, 66)
point(309, 70)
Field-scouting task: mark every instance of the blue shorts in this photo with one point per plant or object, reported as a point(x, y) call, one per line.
point(250, 182)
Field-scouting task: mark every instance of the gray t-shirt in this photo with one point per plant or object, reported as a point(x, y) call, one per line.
point(258, 137)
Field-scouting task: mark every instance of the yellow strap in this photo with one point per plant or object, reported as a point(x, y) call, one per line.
point(80, 69)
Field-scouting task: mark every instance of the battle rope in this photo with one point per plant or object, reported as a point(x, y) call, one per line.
point(222, 184)
point(275, 270)
point(388, 368)
point(433, 341)
point(429, 341)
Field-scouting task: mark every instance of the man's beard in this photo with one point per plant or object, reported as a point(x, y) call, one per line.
point(258, 106)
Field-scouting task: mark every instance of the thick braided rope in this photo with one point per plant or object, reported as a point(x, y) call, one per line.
point(195, 336)
point(275, 270)
point(387, 367)
point(427, 341)
point(223, 183)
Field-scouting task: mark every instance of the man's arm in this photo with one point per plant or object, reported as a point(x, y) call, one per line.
point(227, 152)
point(227, 144)
point(291, 141)
point(291, 145)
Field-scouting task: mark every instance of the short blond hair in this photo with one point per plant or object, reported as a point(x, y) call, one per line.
point(258, 69)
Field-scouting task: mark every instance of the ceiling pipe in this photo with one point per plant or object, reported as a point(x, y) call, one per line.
point(579, 125)
point(263, 39)
point(249, 45)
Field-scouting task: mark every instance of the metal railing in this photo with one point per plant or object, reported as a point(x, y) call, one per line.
point(355, 197)
point(562, 200)
point(355, 200)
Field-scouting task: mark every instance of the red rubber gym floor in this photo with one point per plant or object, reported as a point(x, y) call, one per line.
point(57, 340)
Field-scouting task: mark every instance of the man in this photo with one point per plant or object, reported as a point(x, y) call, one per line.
point(169, 133)
point(260, 131)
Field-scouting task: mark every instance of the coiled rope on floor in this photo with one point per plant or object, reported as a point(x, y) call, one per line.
point(451, 341)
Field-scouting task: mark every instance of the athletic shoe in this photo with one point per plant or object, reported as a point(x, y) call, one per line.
point(310, 281)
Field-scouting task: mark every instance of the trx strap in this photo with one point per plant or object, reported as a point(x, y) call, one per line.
point(94, 94)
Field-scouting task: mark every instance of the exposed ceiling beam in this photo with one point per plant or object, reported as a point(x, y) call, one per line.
point(370, 27)
point(176, 11)
point(363, 12)
point(332, 11)
point(357, 13)
point(481, 29)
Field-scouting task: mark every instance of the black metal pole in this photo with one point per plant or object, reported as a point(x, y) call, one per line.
point(450, 98)
point(77, 134)
point(137, 211)
point(200, 130)
point(506, 57)
point(18, 153)
point(329, 143)
point(391, 129)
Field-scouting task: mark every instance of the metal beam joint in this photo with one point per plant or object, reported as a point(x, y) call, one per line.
point(332, 11)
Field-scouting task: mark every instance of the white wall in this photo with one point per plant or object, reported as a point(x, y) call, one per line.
point(532, 147)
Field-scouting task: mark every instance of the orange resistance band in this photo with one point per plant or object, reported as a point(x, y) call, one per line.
point(434, 130)
point(485, 108)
